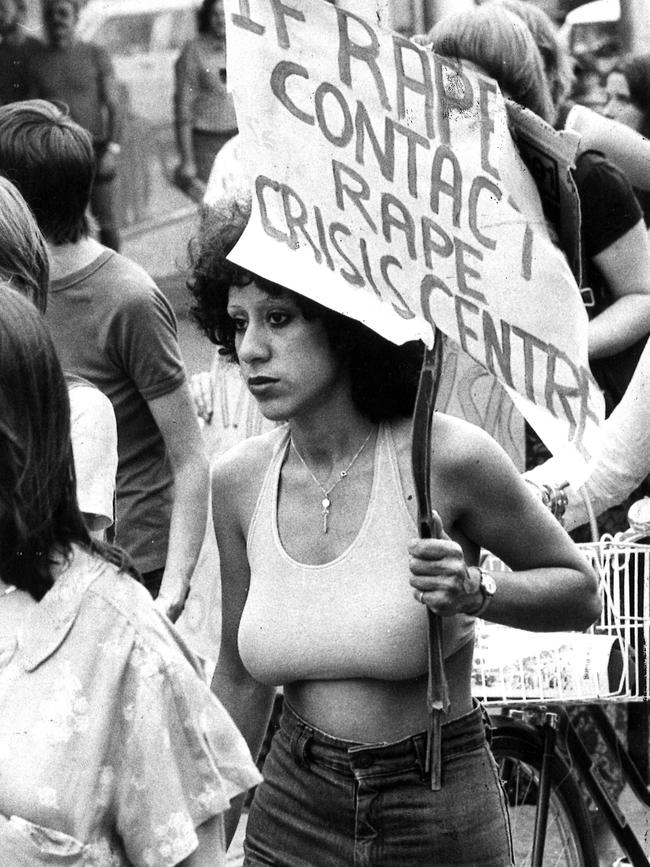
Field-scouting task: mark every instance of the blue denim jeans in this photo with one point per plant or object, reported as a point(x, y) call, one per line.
point(326, 802)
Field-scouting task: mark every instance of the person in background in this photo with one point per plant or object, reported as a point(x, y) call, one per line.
point(204, 111)
point(628, 94)
point(616, 287)
point(616, 490)
point(114, 751)
point(227, 410)
point(617, 254)
point(615, 247)
point(617, 141)
point(16, 44)
point(558, 66)
point(628, 102)
point(25, 266)
point(80, 75)
point(622, 464)
point(621, 134)
point(113, 326)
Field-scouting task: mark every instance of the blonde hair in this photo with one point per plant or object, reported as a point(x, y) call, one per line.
point(500, 44)
point(24, 260)
point(557, 61)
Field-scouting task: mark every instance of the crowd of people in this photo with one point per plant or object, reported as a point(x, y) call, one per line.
point(115, 749)
point(61, 67)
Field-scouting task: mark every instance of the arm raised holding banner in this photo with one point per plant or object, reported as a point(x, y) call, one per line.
point(615, 247)
point(611, 157)
point(616, 251)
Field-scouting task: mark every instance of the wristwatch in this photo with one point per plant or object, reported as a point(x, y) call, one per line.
point(488, 587)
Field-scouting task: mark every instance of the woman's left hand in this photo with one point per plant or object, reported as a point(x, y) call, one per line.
point(441, 578)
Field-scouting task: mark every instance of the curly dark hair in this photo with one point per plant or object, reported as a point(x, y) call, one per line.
point(384, 376)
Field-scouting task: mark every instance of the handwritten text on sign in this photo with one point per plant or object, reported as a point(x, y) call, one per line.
point(386, 186)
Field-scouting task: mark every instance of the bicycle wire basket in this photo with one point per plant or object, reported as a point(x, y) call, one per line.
point(609, 662)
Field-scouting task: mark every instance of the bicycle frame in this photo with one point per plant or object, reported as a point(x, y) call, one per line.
point(588, 774)
point(549, 729)
point(556, 733)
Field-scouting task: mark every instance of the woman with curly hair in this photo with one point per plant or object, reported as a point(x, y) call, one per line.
point(325, 587)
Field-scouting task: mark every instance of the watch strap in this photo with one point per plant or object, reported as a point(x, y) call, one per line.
point(487, 595)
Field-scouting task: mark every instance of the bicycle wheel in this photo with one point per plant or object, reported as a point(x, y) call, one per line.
point(569, 842)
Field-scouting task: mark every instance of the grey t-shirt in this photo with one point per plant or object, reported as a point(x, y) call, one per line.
point(75, 75)
point(113, 326)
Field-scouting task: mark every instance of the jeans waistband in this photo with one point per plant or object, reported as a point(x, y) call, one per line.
point(309, 744)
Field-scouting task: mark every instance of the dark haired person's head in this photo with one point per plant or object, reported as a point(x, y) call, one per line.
point(628, 93)
point(60, 19)
point(24, 262)
point(38, 506)
point(11, 12)
point(211, 18)
point(384, 377)
point(501, 45)
point(50, 159)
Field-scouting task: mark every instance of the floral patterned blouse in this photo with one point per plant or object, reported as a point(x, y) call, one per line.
point(113, 750)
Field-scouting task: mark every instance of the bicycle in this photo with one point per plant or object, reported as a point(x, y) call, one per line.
point(543, 762)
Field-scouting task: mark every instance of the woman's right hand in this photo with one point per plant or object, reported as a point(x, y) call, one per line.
point(202, 394)
point(440, 576)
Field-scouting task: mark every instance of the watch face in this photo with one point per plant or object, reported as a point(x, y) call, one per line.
point(488, 584)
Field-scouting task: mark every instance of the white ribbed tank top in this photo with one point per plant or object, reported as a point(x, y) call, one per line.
point(354, 617)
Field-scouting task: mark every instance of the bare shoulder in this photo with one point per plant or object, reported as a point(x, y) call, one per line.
point(453, 440)
point(457, 442)
point(250, 457)
point(238, 474)
point(467, 461)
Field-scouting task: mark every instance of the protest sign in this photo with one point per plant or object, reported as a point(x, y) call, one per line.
point(386, 185)
point(467, 390)
point(548, 154)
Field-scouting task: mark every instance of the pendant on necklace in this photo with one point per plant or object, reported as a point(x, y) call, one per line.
point(326, 503)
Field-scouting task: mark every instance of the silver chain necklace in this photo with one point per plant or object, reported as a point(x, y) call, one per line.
point(326, 502)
